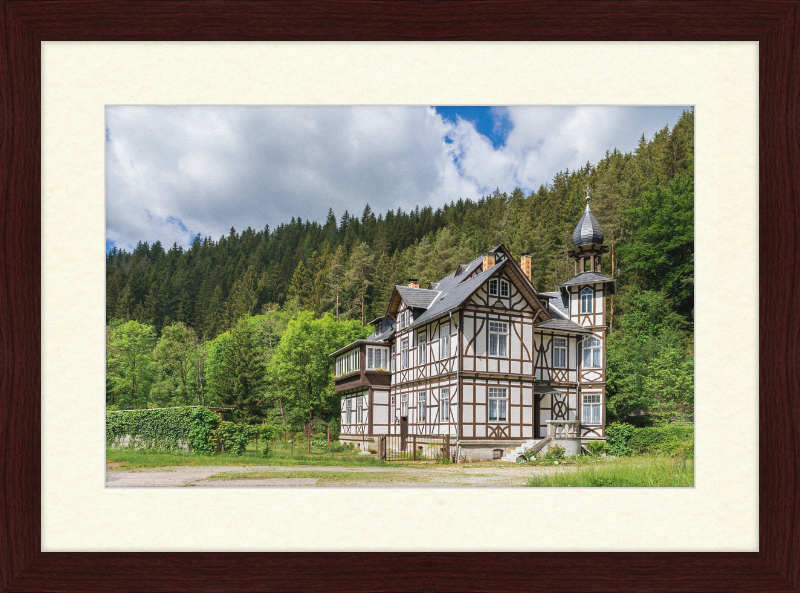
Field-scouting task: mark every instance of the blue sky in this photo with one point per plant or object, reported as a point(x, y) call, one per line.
point(174, 171)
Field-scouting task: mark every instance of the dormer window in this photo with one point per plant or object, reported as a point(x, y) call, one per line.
point(587, 296)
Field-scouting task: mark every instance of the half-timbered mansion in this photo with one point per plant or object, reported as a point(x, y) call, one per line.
point(483, 357)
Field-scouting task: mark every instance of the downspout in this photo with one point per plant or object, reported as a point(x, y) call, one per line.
point(458, 385)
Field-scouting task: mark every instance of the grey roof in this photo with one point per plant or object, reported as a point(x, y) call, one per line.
point(559, 302)
point(587, 278)
point(420, 298)
point(588, 229)
point(563, 325)
point(384, 335)
point(455, 293)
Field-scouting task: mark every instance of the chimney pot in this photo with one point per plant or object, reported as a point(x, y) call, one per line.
point(525, 264)
point(488, 261)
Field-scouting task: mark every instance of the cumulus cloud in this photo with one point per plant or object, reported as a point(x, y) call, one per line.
point(175, 171)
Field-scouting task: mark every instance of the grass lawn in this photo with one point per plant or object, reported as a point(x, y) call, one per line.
point(644, 471)
point(280, 454)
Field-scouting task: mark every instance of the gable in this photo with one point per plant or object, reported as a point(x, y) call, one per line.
point(521, 297)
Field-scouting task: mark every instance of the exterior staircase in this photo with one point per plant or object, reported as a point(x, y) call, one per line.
point(536, 445)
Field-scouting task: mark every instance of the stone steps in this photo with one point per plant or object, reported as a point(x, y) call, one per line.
point(529, 444)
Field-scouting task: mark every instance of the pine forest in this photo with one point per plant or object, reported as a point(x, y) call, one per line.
point(247, 320)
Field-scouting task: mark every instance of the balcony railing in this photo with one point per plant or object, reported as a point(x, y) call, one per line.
point(563, 429)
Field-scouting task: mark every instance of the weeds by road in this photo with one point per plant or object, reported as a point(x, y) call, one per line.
point(644, 471)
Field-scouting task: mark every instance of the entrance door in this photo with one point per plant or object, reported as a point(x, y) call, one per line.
point(403, 432)
point(537, 403)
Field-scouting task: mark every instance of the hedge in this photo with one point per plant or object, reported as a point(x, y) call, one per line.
point(172, 429)
point(624, 439)
point(667, 440)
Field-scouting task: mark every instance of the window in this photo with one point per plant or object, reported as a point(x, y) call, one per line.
point(422, 337)
point(400, 320)
point(347, 363)
point(393, 410)
point(421, 407)
point(592, 414)
point(404, 355)
point(392, 361)
point(404, 404)
point(408, 317)
point(360, 415)
point(348, 417)
point(504, 291)
point(498, 405)
point(444, 341)
point(591, 353)
point(493, 287)
point(560, 353)
point(498, 338)
point(376, 358)
point(587, 294)
point(444, 403)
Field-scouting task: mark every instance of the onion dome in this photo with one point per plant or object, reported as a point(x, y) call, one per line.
point(588, 230)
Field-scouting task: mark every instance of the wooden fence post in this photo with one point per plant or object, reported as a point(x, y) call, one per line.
point(447, 446)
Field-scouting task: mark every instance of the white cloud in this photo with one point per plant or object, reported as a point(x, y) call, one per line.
point(176, 171)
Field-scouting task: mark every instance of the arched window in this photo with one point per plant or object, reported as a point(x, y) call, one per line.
point(592, 351)
point(587, 296)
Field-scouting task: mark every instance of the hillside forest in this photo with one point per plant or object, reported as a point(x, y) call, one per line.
point(247, 320)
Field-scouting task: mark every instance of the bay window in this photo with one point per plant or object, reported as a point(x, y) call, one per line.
point(376, 358)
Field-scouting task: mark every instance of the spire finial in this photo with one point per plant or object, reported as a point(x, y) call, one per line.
point(587, 194)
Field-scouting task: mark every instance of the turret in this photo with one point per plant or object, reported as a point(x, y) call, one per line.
point(588, 242)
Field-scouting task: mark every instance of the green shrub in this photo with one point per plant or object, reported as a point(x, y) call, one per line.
point(203, 423)
point(234, 437)
point(665, 440)
point(618, 435)
point(596, 447)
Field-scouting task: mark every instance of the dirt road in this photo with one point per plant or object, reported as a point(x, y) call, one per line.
point(481, 475)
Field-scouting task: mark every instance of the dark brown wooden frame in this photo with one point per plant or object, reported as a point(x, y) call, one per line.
point(775, 24)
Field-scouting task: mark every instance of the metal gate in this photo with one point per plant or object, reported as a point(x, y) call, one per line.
point(414, 447)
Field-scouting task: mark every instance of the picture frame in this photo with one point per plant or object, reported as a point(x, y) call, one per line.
point(25, 568)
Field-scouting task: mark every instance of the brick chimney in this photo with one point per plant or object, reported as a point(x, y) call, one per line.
point(488, 261)
point(413, 283)
point(525, 264)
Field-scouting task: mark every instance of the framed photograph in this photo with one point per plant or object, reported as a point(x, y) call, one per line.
point(60, 525)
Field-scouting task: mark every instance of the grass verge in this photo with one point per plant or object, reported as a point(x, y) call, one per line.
point(129, 459)
point(645, 471)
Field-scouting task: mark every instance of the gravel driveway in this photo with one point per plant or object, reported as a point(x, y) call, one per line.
point(480, 475)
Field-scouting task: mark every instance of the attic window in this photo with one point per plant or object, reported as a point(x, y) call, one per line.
point(493, 287)
point(504, 288)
